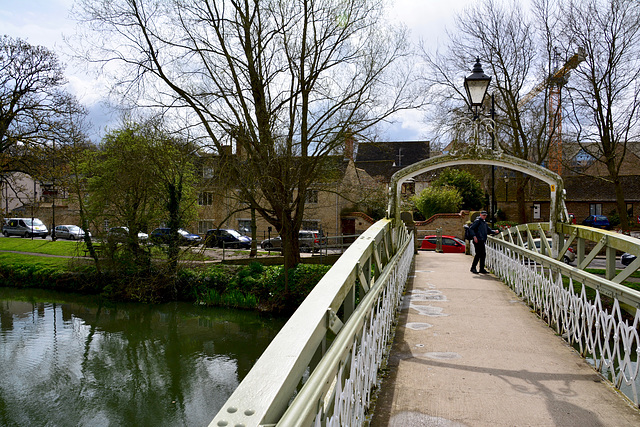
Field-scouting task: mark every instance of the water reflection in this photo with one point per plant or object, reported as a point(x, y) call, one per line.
point(76, 361)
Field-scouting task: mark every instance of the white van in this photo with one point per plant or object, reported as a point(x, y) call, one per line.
point(24, 227)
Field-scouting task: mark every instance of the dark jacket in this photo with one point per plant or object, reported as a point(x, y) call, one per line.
point(480, 229)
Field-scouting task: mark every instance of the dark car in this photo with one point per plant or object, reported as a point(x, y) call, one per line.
point(597, 221)
point(120, 235)
point(627, 258)
point(309, 240)
point(226, 238)
point(161, 236)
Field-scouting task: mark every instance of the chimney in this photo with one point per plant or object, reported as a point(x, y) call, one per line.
point(349, 147)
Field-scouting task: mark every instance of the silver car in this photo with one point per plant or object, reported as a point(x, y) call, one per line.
point(70, 232)
point(568, 257)
point(310, 240)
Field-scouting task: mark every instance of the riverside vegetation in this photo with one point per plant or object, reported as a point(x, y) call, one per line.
point(61, 266)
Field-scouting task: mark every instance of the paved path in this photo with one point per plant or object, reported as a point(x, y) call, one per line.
point(469, 352)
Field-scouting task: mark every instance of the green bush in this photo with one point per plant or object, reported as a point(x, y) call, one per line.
point(434, 200)
point(468, 186)
point(614, 218)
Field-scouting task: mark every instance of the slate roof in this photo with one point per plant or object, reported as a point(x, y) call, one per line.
point(590, 189)
point(386, 158)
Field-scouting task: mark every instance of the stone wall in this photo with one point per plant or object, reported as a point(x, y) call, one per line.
point(452, 224)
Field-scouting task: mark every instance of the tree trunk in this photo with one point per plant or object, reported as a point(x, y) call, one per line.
point(521, 185)
point(290, 249)
point(173, 206)
point(620, 202)
point(254, 240)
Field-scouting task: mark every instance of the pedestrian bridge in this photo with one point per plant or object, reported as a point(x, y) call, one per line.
point(324, 367)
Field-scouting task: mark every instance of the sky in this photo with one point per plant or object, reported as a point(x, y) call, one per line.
point(44, 22)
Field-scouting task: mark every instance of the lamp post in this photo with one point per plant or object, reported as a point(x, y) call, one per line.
point(506, 188)
point(476, 85)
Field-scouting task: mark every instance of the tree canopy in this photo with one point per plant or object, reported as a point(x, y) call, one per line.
point(283, 83)
point(433, 200)
point(468, 186)
point(34, 105)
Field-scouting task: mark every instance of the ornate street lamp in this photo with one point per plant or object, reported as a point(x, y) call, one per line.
point(476, 85)
point(506, 187)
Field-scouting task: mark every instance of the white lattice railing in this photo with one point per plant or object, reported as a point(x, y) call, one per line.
point(337, 380)
point(609, 334)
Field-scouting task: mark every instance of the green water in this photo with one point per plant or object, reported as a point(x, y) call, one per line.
point(76, 361)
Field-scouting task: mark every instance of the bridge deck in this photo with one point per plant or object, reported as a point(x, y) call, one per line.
point(469, 352)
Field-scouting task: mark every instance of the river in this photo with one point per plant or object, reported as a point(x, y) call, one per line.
point(68, 360)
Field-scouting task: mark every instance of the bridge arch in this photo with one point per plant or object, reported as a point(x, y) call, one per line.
point(483, 157)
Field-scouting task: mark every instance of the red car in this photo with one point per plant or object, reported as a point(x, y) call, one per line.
point(450, 244)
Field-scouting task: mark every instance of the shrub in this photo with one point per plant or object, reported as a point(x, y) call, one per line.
point(433, 200)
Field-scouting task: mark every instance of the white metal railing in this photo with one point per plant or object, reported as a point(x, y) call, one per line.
point(608, 333)
point(300, 379)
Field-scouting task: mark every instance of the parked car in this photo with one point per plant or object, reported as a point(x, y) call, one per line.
point(450, 244)
point(309, 240)
point(627, 258)
point(70, 232)
point(24, 227)
point(161, 236)
point(226, 238)
point(119, 234)
point(597, 221)
point(568, 257)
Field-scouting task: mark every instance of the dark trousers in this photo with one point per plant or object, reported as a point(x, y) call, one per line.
point(481, 254)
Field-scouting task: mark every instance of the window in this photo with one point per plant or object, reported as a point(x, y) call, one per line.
point(583, 159)
point(595, 208)
point(204, 225)
point(630, 210)
point(205, 199)
point(408, 188)
point(207, 172)
point(244, 226)
point(312, 196)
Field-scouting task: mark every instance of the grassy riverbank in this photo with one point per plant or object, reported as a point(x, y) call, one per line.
point(61, 266)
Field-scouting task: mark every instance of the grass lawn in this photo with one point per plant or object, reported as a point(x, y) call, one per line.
point(18, 260)
point(70, 248)
point(41, 246)
point(602, 272)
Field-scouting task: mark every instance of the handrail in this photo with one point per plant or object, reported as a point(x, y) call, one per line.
point(319, 388)
point(601, 331)
point(602, 240)
point(625, 295)
point(268, 389)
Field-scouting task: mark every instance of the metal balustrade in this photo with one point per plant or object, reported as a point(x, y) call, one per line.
point(606, 331)
point(303, 380)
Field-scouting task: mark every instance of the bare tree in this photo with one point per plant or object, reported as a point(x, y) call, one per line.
point(283, 81)
point(604, 92)
point(32, 99)
point(515, 47)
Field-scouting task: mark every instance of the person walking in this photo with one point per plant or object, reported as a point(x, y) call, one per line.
point(479, 231)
